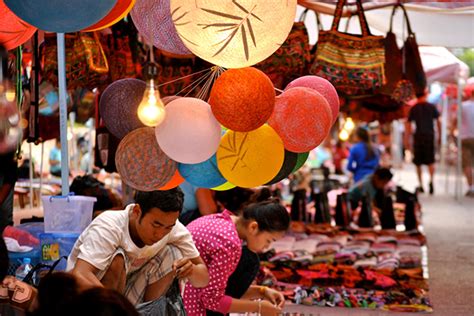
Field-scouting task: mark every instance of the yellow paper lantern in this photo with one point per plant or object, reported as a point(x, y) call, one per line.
point(233, 33)
point(224, 187)
point(250, 159)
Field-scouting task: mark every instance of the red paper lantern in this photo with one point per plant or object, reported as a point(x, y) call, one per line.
point(324, 87)
point(302, 117)
point(242, 99)
point(13, 30)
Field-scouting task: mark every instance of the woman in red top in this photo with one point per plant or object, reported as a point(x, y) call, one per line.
point(219, 238)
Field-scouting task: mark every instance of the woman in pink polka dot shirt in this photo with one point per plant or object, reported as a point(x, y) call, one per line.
point(219, 238)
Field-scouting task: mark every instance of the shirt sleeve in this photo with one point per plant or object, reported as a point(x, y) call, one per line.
point(221, 266)
point(182, 239)
point(99, 242)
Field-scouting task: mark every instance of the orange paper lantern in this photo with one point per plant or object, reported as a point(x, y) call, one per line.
point(302, 117)
point(250, 159)
point(119, 11)
point(242, 99)
point(176, 180)
point(13, 30)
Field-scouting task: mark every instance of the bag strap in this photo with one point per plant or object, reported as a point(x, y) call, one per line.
point(360, 12)
point(400, 5)
point(318, 22)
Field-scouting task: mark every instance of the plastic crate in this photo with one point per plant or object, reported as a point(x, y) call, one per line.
point(66, 214)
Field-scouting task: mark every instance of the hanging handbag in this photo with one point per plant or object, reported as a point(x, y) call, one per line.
point(354, 64)
point(86, 64)
point(404, 72)
point(118, 51)
point(292, 59)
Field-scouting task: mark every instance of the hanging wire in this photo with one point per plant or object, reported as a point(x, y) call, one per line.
point(187, 76)
point(193, 84)
point(196, 83)
point(19, 90)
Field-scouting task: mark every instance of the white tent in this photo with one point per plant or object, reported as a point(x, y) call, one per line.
point(433, 24)
point(442, 66)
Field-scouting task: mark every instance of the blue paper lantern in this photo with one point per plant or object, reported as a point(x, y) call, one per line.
point(204, 174)
point(61, 16)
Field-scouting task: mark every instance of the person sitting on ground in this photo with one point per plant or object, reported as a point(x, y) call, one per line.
point(369, 186)
point(219, 239)
point(140, 250)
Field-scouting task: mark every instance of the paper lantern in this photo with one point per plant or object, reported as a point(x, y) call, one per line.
point(118, 106)
point(141, 163)
point(242, 99)
point(190, 133)
point(250, 159)
point(153, 21)
point(302, 118)
point(59, 16)
point(13, 31)
point(119, 11)
point(176, 180)
point(302, 157)
point(324, 87)
point(288, 164)
point(204, 174)
point(233, 33)
point(169, 98)
point(224, 187)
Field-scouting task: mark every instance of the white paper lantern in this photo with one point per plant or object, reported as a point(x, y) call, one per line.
point(233, 33)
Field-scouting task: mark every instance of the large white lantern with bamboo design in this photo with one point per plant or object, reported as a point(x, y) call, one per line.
point(233, 33)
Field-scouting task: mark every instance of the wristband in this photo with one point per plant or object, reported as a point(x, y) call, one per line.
point(259, 307)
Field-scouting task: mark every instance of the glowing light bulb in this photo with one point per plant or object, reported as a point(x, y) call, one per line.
point(344, 135)
point(151, 110)
point(349, 124)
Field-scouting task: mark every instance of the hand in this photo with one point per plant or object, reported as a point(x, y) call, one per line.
point(183, 268)
point(275, 297)
point(268, 309)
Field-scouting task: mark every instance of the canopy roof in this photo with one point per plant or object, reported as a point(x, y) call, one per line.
point(448, 24)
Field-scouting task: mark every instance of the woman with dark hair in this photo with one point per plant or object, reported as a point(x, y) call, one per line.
point(219, 239)
point(363, 156)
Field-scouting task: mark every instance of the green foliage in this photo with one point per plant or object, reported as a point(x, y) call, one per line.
point(467, 56)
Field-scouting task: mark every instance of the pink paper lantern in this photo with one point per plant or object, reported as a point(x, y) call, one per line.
point(190, 133)
point(153, 20)
point(324, 87)
point(302, 118)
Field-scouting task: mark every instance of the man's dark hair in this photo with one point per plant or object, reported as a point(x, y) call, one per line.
point(383, 174)
point(167, 200)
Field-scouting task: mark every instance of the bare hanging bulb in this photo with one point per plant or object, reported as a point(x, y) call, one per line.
point(151, 110)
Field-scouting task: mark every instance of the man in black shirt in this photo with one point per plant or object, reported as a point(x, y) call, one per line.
point(424, 114)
